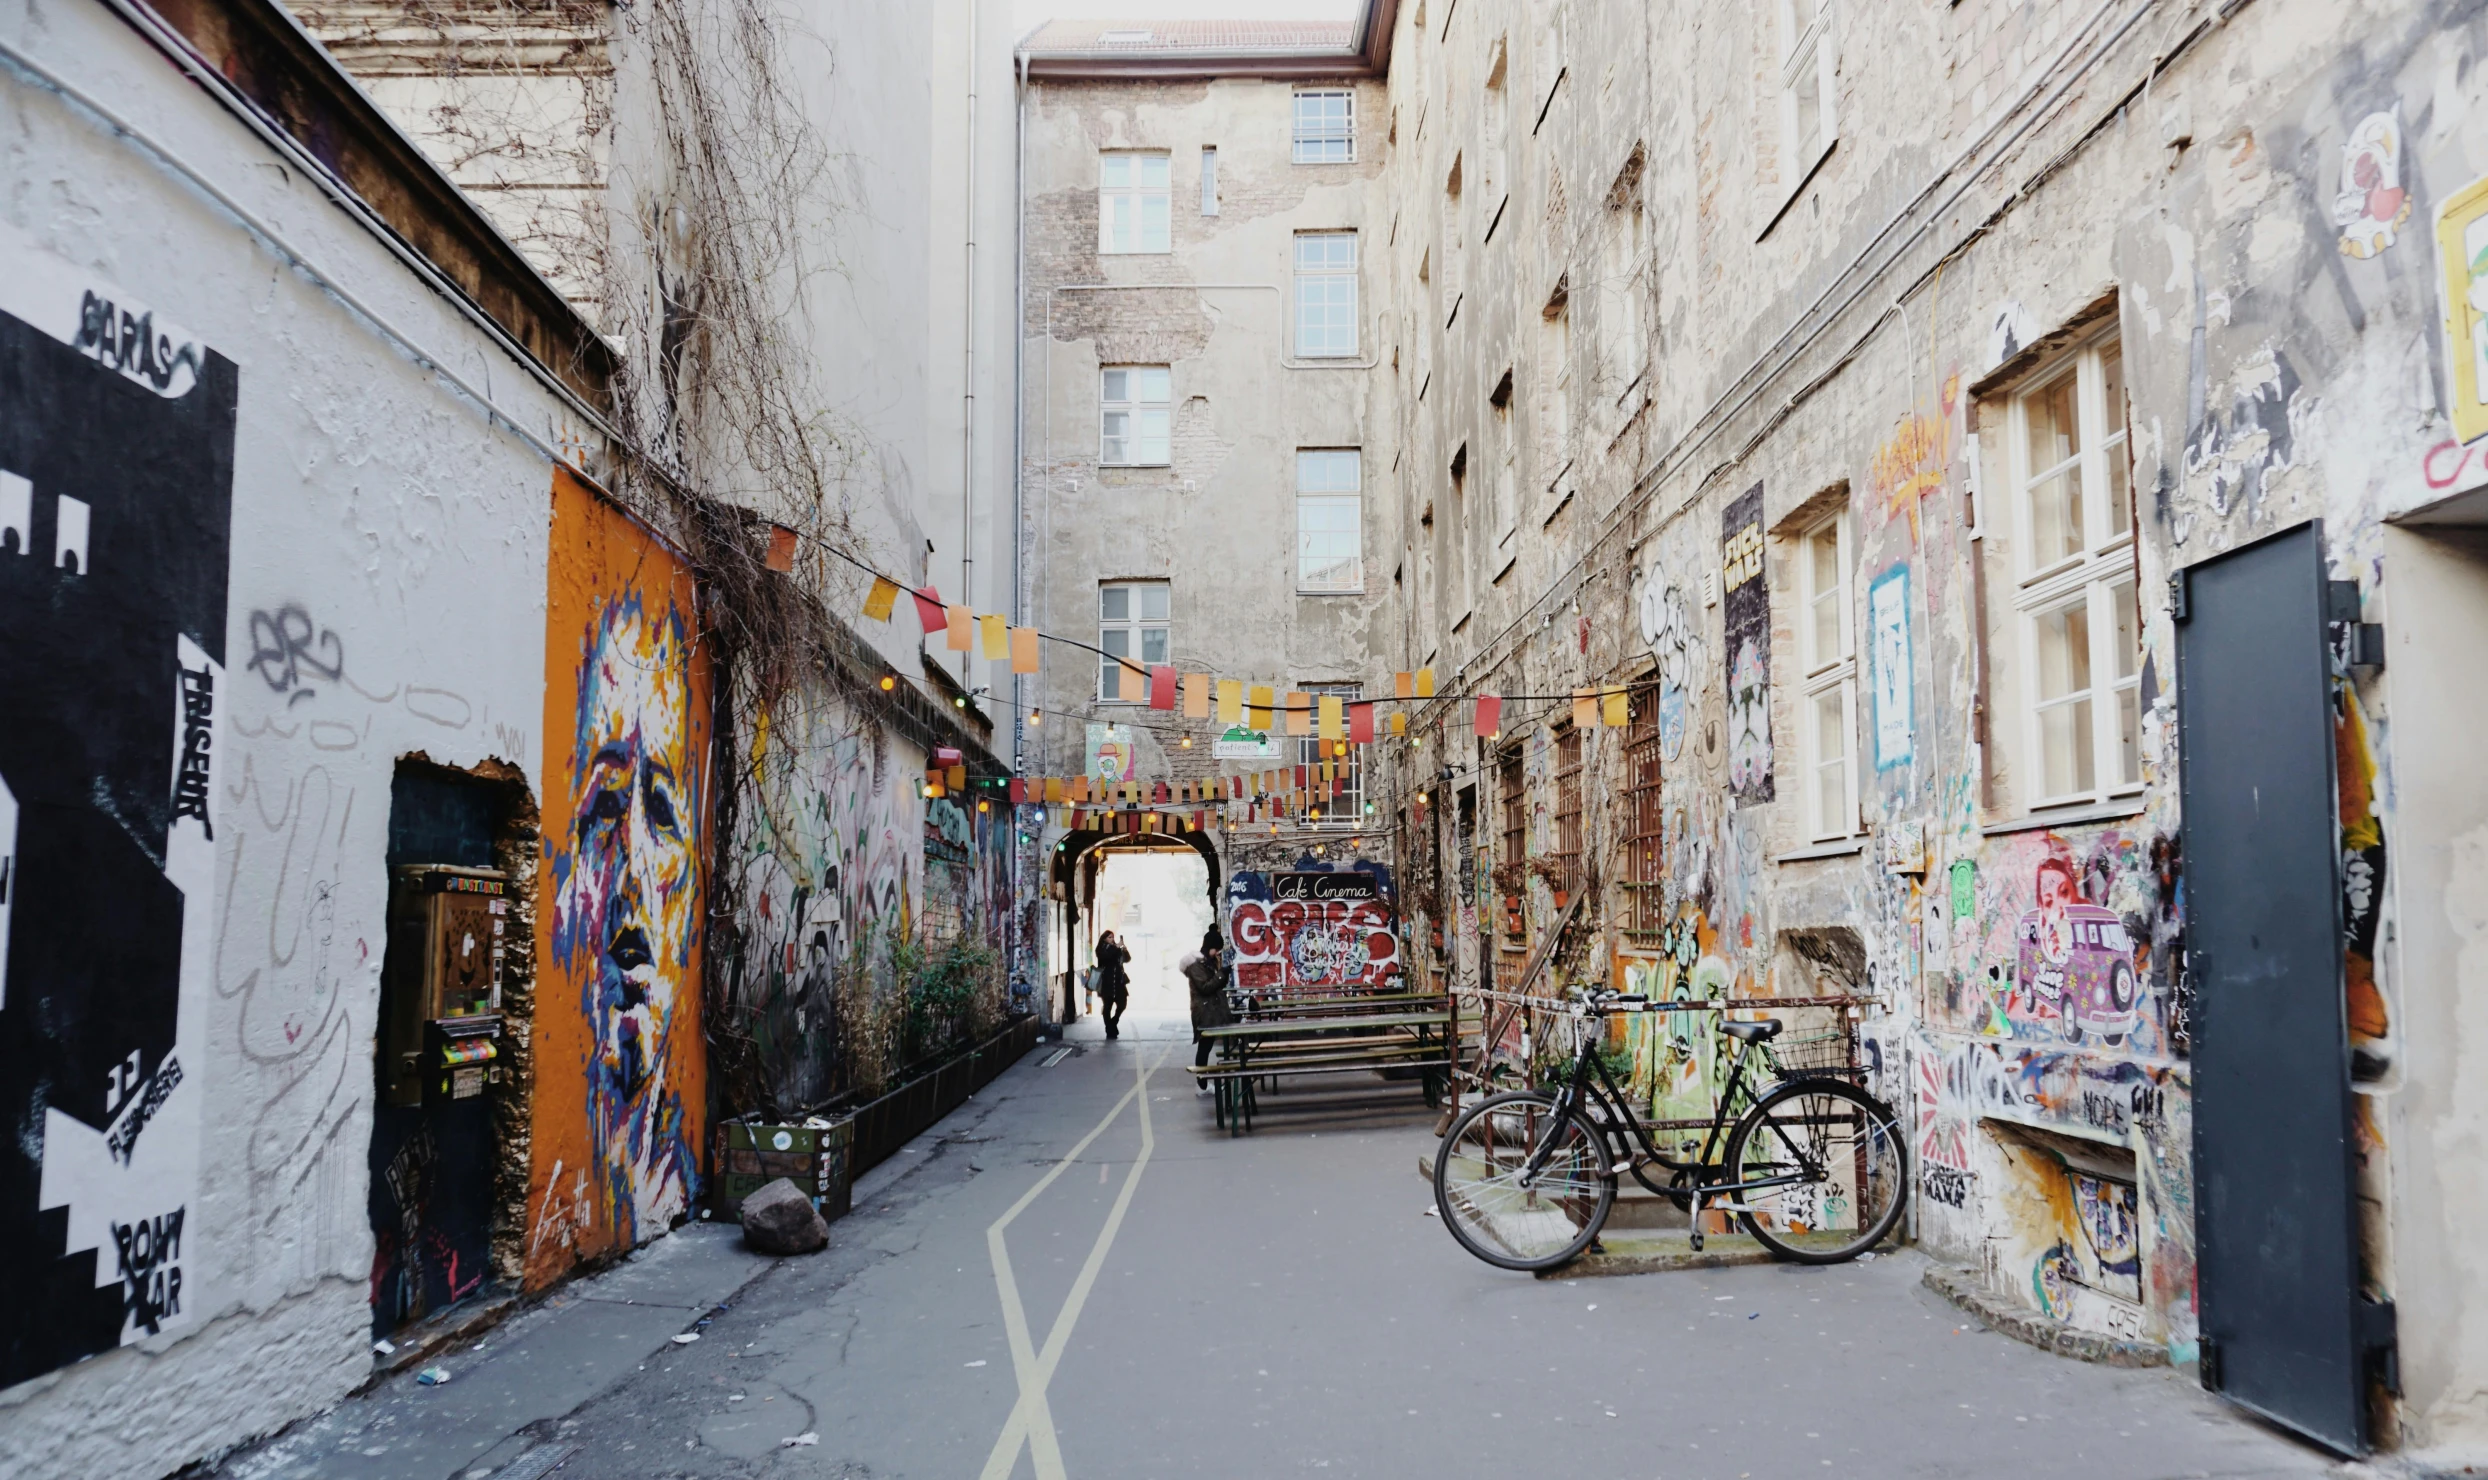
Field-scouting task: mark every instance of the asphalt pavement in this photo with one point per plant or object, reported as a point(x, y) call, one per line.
point(1077, 1274)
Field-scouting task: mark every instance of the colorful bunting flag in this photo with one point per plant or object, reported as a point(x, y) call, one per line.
point(959, 619)
point(881, 598)
point(1161, 687)
point(1299, 713)
point(1230, 702)
point(929, 609)
point(957, 777)
point(1403, 685)
point(1261, 707)
point(1053, 788)
point(1361, 723)
point(1425, 683)
point(1023, 650)
point(1585, 709)
point(1019, 791)
point(1130, 684)
point(1489, 716)
point(1618, 709)
point(996, 631)
point(1196, 696)
point(1332, 712)
point(781, 549)
point(1399, 724)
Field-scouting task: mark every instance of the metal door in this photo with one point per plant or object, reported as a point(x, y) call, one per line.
point(2275, 1211)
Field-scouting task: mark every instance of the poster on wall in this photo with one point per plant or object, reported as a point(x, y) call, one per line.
point(2462, 241)
point(1887, 630)
point(620, 1077)
point(1745, 610)
point(116, 494)
point(1110, 754)
point(1237, 743)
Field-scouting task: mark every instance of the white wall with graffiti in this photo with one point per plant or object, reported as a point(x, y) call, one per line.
point(350, 570)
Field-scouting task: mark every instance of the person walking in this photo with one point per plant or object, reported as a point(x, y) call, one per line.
point(1205, 971)
point(1114, 984)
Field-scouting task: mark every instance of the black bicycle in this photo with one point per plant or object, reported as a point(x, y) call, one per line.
point(1813, 1167)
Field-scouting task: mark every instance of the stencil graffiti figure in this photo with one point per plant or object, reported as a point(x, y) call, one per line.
point(627, 903)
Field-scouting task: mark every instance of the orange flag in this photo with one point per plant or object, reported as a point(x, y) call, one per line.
point(1023, 650)
point(1299, 713)
point(1130, 684)
point(1403, 685)
point(960, 619)
point(1585, 709)
point(1196, 696)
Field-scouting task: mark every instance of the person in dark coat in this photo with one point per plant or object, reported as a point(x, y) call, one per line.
point(1206, 973)
point(1114, 983)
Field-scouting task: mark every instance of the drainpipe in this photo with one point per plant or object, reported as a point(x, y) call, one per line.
point(967, 389)
point(1019, 404)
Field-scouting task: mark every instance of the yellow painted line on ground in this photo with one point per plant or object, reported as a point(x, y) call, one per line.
point(1031, 1424)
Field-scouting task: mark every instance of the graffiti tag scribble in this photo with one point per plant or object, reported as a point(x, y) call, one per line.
point(286, 644)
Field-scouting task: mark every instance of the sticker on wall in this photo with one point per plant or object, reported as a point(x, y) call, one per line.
point(1887, 622)
point(1668, 628)
point(116, 498)
point(1237, 743)
point(620, 1089)
point(1746, 616)
point(2371, 204)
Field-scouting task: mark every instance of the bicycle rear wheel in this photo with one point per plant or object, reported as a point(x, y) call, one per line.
point(1851, 1168)
point(1480, 1192)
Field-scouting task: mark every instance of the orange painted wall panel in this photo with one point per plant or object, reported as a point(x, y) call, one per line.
point(620, 1068)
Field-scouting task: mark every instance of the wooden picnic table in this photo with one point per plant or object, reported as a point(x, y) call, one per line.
point(1344, 1042)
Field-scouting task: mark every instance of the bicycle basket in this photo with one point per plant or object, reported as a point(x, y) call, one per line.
point(1831, 1055)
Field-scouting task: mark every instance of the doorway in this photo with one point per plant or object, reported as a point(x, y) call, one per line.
point(1155, 898)
point(447, 1104)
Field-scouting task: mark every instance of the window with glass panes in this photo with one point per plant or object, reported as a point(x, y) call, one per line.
point(1134, 418)
point(1808, 122)
point(1132, 203)
point(1644, 863)
point(2075, 600)
point(1325, 294)
point(1325, 126)
point(1827, 658)
point(1329, 521)
point(1131, 625)
point(1346, 762)
point(1567, 840)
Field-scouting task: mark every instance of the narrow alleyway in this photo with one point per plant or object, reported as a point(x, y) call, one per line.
point(1281, 1303)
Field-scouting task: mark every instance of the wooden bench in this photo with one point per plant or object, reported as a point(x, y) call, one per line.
point(1341, 1035)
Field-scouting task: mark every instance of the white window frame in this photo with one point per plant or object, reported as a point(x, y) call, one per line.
point(1808, 62)
point(1318, 287)
point(1128, 636)
point(1209, 179)
point(2098, 579)
point(1325, 462)
point(1348, 810)
point(1127, 201)
point(1319, 137)
point(1829, 671)
point(1147, 439)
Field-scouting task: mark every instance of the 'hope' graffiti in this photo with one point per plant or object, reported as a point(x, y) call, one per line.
point(1350, 945)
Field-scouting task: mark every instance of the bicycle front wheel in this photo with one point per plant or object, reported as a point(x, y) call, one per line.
point(1840, 1165)
point(1502, 1212)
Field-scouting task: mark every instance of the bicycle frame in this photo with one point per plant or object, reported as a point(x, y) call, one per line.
point(1590, 1084)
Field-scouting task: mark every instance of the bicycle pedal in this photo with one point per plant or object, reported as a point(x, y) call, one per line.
point(1619, 1169)
point(1696, 1241)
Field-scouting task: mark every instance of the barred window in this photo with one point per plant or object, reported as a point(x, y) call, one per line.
point(1645, 859)
point(1567, 849)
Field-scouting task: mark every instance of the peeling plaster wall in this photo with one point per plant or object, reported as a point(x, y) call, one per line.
point(388, 550)
point(1686, 317)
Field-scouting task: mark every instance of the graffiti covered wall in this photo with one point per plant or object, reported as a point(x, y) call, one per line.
point(1314, 931)
point(620, 1070)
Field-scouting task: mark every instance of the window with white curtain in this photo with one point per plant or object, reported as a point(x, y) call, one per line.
point(1132, 203)
point(1134, 416)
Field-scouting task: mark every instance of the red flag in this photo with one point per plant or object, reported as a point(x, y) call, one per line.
point(1300, 777)
point(1361, 724)
point(1019, 791)
point(930, 610)
point(1159, 798)
point(1161, 687)
point(1489, 716)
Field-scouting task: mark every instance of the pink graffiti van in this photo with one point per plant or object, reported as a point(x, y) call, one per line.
point(2076, 959)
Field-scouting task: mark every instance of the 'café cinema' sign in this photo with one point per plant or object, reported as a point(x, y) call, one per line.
point(1324, 886)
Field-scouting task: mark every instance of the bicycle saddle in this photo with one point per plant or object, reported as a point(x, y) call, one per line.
point(1752, 1032)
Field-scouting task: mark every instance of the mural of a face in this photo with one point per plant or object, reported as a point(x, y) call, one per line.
point(2056, 894)
point(628, 902)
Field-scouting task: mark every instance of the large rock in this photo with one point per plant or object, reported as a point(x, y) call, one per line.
point(779, 1219)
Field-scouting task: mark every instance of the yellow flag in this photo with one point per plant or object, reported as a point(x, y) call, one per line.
point(1196, 696)
point(1130, 682)
point(1425, 683)
point(1399, 723)
point(1023, 650)
point(958, 779)
point(879, 600)
point(1230, 702)
point(1333, 715)
point(1299, 713)
point(960, 618)
point(996, 630)
point(1618, 711)
point(1053, 788)
point(1261, 706)
point(1584, 709)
